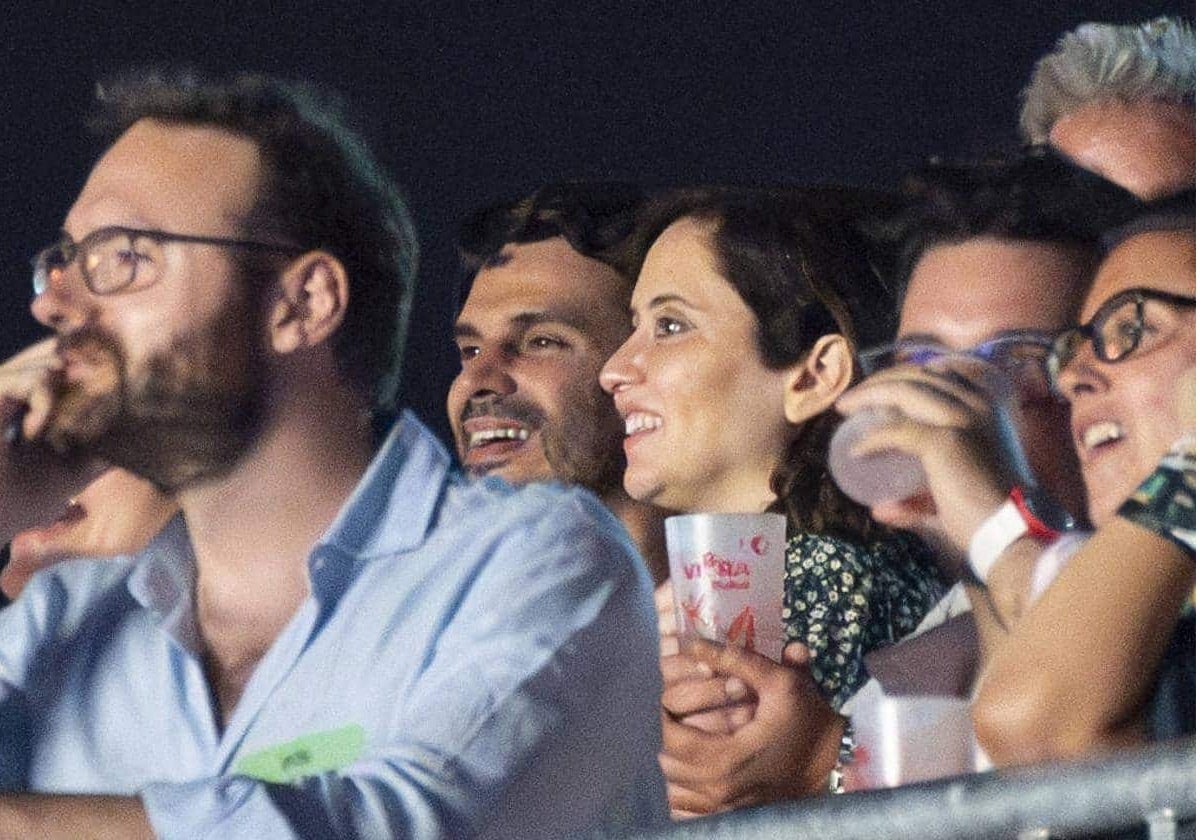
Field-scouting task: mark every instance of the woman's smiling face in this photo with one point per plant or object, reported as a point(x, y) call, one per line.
point(704, 417)
point(1125, 415)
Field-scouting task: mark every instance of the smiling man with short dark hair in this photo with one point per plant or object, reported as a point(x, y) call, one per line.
point(547, 304)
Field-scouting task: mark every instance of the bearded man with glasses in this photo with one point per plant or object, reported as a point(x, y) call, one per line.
point(340, 635)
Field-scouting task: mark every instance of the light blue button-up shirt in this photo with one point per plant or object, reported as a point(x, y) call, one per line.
point(473, 660)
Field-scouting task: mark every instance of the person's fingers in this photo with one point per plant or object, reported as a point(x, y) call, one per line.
point(957, 453)
point(682, 667)
point(668, 646)
point(24, 392)
point(723, 721)
point(796, 654)
point(664, 602)
point(704, 785)
point(666, 625)
point(972, 374)
point(25, 371)
point(664, 606)
point(717, 721)
point(959, 373)
point(738, 715)
point(786, 695)
point(752, 668)
point(691, 751)
point(38, 354)
point(40, 404)
point(899, 433)
point(967, 473)
point(942, 397)
point(13, 579)
point(688, 697)
point(686, 803)
point(926, 398)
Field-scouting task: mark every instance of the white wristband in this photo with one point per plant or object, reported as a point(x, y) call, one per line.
point(994, 536)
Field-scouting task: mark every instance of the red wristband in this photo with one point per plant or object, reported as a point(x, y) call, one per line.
point(1037, 528)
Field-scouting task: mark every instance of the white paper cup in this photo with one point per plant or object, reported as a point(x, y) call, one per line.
point(727, 578)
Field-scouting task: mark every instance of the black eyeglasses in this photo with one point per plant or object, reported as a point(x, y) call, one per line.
point(112, 258)
point(1020, 355)
point(1115, 331)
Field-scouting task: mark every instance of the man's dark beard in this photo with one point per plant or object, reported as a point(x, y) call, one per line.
point(587, 448)
point(190, 415)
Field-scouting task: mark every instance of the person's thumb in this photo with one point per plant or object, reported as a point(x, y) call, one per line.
point(796, 653)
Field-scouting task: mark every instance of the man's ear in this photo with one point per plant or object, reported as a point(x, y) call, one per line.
point(313, 295)
point(818, 380)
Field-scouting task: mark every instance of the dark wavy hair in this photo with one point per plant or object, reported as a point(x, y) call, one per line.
point(597, 219)
point(1172, 212)
point(1037, 196)
point(797, 259)
point(321, 189)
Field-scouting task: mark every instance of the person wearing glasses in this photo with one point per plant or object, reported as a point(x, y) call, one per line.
point(996, 258)
point(341, 636)
point(1106, 656)
point(999, 258)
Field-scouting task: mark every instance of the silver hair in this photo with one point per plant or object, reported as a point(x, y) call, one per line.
point(1155, 60)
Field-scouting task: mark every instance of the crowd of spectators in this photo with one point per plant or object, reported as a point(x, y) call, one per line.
point(249, 594)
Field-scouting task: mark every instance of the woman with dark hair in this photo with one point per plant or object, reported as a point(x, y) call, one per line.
point(1106, 656)
point(747, 314)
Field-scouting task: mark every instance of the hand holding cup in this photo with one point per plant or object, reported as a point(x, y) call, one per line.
point(952, 417)
point(727, 578)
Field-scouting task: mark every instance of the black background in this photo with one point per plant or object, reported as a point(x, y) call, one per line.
point(467, 103)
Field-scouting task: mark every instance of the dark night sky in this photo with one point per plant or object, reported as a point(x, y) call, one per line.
point(467, 103)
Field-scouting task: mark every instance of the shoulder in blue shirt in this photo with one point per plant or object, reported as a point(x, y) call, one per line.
point(474, 660)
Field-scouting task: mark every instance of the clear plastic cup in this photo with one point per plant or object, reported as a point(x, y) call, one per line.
point(727, 578)
point(903, 740)
point(885, 476)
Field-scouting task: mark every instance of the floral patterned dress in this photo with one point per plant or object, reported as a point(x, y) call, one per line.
point(843, 599)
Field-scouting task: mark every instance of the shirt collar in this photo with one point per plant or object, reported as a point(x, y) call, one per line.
point(163, 580)
point(390, 511)
point(393, 506)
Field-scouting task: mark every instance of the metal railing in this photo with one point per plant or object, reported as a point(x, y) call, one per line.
point(1151, 788)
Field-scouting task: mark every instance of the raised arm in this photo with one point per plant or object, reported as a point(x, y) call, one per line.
point(948, 417)
point(1075, 674)
point(35, 481)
